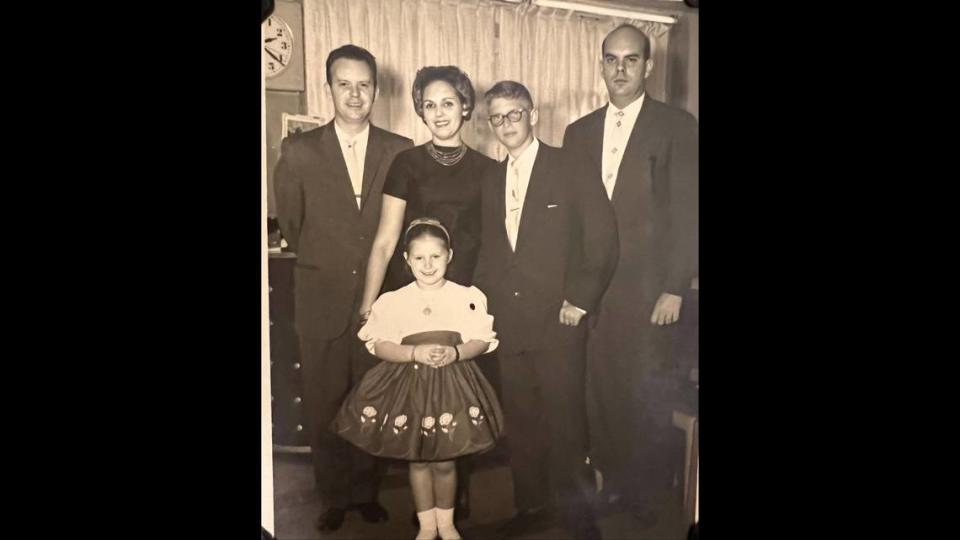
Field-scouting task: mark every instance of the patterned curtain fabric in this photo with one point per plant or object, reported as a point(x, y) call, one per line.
point(555, 53)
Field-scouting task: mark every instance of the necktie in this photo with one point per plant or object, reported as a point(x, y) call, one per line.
point(610, 163)
point(513, 205)
point(353, 169)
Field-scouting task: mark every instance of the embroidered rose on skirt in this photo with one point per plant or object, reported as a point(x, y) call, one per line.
point(427, 425)
point(446, 423)
point(400, 423)
point(475, 415)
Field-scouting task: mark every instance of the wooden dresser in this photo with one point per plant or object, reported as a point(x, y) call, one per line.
point(285, 371)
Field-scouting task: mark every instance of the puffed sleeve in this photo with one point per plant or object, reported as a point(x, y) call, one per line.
point(478, 324)
point(383, 324)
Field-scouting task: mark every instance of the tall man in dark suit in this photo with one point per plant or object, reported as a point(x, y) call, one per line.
point(645, 154)
point(329, 182)
point(549, 247)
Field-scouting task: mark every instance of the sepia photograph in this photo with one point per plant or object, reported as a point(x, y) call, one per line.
point(481, 269)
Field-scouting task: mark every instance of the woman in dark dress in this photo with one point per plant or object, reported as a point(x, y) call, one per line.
point(440, 179)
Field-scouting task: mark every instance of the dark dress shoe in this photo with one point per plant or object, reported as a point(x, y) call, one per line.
point(330, 520)
point(524, 522)
point(372, 512)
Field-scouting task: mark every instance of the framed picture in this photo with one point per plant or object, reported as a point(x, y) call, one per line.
point(299, 123)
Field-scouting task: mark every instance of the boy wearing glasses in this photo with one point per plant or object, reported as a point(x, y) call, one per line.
point(549, 248)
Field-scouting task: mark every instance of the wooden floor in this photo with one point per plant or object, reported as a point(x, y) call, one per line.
point(297, 507)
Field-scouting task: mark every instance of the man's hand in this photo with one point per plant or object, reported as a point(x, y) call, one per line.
point(570, 315)
point(667, 309)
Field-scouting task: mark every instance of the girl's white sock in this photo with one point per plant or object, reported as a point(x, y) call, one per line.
point(428, 524)
point(445, 524)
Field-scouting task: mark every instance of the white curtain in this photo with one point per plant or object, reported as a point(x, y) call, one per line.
point(555, 53)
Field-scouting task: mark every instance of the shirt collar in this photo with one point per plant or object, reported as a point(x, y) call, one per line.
point(346, 139)
point(631, 110)
point(526, 157)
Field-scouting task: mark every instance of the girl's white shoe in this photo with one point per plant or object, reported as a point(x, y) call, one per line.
point(428, 525)
point(445, 524)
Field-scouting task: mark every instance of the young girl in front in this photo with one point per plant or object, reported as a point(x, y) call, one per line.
point(426, 402)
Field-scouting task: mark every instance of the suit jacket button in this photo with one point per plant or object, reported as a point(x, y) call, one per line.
point(296, 365)
point(354, 272)
point(516, 293)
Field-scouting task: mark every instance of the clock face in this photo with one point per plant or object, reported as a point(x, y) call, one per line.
point(277, 46)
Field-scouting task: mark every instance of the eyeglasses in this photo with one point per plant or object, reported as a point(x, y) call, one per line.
point(514, 116)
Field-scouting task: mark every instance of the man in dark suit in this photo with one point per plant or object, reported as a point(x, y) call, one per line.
point(645, 154)
point(549, 247)
point(329, 182)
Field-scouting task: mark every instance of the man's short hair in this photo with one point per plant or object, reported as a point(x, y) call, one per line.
point(645, 41)
point(509, 90)
point(351, 52)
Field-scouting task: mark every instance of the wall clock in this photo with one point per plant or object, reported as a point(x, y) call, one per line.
point(278, 46)
point(283, 48)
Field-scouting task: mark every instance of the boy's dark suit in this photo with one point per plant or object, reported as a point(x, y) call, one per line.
point(633, 380)
point(318, 216)
point(566, 249)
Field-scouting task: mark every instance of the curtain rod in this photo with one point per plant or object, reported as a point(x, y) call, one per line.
point(610, 12)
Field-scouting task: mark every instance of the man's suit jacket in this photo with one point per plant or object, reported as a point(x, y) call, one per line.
point(319, 218)
point(566, 249)
point(656, 200)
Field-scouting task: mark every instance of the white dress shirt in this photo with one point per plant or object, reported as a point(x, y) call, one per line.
point(354, 153)
point(518, 179)
point(617, 127)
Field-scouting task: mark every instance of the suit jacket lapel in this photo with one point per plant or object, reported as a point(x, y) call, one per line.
point(499, 202)
point(596, 144)
point(336, 167)
point(641, 134)
point(371, 163)
point(534, 199)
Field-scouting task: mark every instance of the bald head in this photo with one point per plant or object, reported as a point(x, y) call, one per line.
point(630, 33)
point(625, 64)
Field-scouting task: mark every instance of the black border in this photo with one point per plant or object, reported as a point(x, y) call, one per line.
point(174, 286)
point(179, 261)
